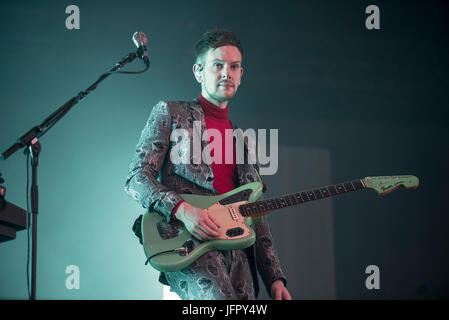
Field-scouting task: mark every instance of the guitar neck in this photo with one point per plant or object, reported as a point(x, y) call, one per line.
point(260, 208)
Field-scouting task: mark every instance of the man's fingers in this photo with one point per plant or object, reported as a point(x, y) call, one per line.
point(201, 224)
point(207, 230)
point(286, 295)
point(214, 220)
point(211, 222)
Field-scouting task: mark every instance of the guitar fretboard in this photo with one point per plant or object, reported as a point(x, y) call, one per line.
point(293, 199)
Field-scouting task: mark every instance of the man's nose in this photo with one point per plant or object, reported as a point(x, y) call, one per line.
point(226, 74)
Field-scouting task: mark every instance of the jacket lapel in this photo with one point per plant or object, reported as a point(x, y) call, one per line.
point(201, 173)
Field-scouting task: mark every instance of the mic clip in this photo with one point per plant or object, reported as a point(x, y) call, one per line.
point(140, 52)
point(140, 40)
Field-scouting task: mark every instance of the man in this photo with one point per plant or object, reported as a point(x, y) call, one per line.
point(156, 181)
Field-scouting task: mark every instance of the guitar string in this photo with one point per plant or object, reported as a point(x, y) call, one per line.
point(305, 196)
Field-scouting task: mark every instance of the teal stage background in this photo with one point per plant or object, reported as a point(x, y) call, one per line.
point(363, 102)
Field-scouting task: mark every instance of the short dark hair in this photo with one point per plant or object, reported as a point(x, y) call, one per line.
point(216, 38)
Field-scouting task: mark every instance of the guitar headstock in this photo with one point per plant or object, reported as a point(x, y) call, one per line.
point(386, 184)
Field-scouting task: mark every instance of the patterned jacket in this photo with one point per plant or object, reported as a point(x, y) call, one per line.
point(157, 183)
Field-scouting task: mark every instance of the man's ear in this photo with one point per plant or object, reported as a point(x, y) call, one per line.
point(241, 75)
point(198, 72)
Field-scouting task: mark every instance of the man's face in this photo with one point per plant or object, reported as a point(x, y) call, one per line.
point(221, 73)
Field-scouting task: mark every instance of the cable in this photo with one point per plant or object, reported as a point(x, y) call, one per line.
point(186, 248)
point(168, 251)
point(80, 96)
point(133, 72)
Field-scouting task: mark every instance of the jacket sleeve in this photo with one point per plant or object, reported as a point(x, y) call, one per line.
point(142, 181)
point(267, 260)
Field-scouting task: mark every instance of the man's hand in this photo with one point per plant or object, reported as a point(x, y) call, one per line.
point(197, 221)
point(279, 291)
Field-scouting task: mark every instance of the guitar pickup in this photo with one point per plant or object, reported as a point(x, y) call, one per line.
point(234, 232)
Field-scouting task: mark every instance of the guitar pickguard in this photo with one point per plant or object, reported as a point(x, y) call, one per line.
point(237, 197)
point(232, 223)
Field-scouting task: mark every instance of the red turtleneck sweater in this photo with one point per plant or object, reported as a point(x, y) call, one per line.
point(224, 174)
point(217, 118)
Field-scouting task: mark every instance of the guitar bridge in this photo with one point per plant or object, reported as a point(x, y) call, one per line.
point(233, 213)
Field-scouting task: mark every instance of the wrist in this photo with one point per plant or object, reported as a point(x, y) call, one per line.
point(176, 209)
point(281, 281)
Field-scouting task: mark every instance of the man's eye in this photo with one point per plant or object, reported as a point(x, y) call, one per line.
point(235, 67)
point(217, 65)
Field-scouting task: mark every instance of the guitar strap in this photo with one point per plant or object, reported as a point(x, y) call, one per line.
point(256, 168)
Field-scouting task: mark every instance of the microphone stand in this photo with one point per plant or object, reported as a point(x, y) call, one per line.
point(31, 141)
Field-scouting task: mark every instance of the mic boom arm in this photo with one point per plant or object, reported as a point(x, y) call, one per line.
point(51, 120)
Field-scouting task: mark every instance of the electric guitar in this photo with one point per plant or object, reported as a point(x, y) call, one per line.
point(169, 246)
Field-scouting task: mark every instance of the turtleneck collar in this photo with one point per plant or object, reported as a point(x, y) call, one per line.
point(212, 110)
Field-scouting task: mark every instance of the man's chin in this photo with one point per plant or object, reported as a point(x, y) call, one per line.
point(227, 96)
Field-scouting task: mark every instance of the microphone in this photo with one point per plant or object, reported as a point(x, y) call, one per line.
point(140, 40)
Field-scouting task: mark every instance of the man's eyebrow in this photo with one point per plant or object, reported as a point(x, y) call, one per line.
point(238, 61)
